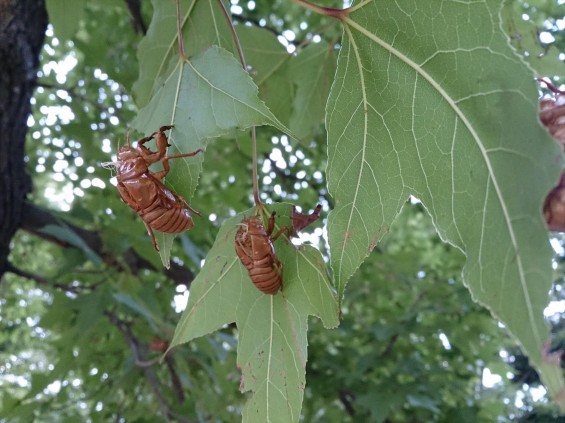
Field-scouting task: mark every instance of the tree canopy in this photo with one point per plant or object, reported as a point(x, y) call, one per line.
point(427, 267)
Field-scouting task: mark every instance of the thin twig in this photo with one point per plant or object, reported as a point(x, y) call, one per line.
point(175, 379)
point(148, 371)
point(134, 7)
point(255, 173)
point(346, 397)
point(233, 34)
point(35, 219)
point(41, 280)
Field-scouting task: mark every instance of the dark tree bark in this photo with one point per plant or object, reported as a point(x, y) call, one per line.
point(22, 32)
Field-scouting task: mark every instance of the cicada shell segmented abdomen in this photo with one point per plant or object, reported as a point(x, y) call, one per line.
point(255, 250)
point(166, 214)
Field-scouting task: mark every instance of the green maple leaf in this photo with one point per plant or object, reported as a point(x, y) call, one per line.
point(429, 100)
point(204, 98)
point(272, 348)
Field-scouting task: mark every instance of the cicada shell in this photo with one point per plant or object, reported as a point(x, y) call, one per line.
point(254, 247)
point(144, 191)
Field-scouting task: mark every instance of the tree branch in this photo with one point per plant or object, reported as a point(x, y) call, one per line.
point(346, 397)
point(134, 7)
point(22, 31)
point(148, 371)
point(40, 280)
point(175, 379)
point(34, 219)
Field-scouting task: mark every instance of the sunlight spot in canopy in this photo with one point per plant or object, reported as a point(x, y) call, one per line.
point(557, 247)
point(277, 157)
point(98, 74)
point(53, 388)
point(52, 114)
point(106, 145)
point(521, 400)
point(60, 198)
point(537, 392)
point(181, 299)
point(236, 9)
point(63, 95)
point(98, 183)
point(489, 379)
point(60, 68)
point(283, 41)
point(289, 35)
point(546, 37)
point(554, 307)
point(60, 165)
point(444, 341)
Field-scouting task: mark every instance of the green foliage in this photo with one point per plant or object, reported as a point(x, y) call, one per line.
point(427, 99)
point(525, 38)
point(408, 118)
point(272, 329)
point(65, 16)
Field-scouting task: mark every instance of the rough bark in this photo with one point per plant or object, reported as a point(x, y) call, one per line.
point(22, 32)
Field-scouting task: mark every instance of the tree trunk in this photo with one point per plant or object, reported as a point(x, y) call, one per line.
point(22, 32)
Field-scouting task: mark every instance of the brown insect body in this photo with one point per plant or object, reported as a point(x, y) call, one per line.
point(254, 247)
point(143, 190)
